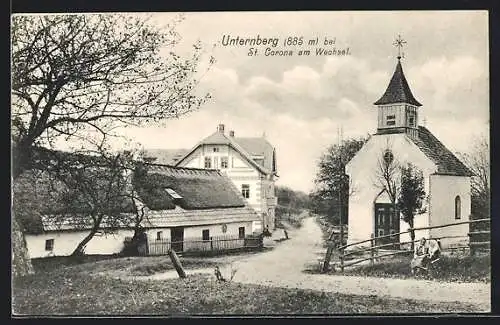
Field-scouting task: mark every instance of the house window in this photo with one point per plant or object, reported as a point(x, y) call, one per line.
point(458, 207)
point(205, 234)
point(216, 149)
point(49, 245)
point(159, 234)
point(391, 120)
point(245, 190)
point(208, 162)
point(223, 162)
point(241, 232)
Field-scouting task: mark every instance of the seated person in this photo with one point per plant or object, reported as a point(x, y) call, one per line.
point(426, 251)
point(434, 249)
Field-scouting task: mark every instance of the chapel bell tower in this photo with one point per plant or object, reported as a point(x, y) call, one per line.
point(397, 108)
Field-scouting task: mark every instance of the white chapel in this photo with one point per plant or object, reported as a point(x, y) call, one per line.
point(400, 136)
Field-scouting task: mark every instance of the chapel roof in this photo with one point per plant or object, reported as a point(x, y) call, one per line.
point(447, 162)
point(398, 90)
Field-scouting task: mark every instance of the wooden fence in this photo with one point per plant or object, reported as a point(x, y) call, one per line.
point(213, 244)
point(374, 249)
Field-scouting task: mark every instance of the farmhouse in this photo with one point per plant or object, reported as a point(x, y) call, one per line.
point(400, 139)
point(249, 162)
point(189, 207)
point(183, 209)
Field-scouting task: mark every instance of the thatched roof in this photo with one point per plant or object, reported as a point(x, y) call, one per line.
point(43, 204)
point(37, 194)
point(199, 188)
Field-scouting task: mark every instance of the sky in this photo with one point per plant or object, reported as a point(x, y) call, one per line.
point(299, 102)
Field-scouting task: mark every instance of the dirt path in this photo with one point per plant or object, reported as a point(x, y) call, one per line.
point(283, 266)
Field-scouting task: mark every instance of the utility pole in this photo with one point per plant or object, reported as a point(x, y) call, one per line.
point(329, 251)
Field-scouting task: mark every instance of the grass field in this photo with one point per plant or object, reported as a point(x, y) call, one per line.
point(450, 268)
point(74, 291)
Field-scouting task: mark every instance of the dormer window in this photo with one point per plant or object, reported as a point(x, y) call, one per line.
point(173, 193)
point(391, 120)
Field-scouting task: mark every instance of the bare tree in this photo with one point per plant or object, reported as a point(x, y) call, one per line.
point(73, 74)
point(93, 191)
point(478, 161)
point(387, 174)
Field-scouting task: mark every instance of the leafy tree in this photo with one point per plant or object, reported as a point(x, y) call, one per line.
point(290, 201)
point(411, 195)
point(332, 186)
point(77, 74)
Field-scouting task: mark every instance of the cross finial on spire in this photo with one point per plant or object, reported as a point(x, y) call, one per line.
point(399, 43)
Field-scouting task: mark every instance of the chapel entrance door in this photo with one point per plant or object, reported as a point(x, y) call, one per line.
point(386, 223)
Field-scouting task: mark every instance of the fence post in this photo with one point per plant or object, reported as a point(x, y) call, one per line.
point(342, 251)
point(472, 250)
point(177, 263)
point(341, 234)
point(372, 253)
point(326, 263)
point(211, 244)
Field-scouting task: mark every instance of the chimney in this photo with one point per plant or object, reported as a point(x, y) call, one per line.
point(221, 128)
point(231, 133)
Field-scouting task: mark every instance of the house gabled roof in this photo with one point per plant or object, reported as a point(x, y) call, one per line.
point(198, 188)
point(247, 147)
point(259, 147)
point(446, 162)
point(398, 90)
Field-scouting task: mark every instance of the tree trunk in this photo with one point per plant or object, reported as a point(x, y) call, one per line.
point(80, 249)
point(412, 234)
point(21, 262)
